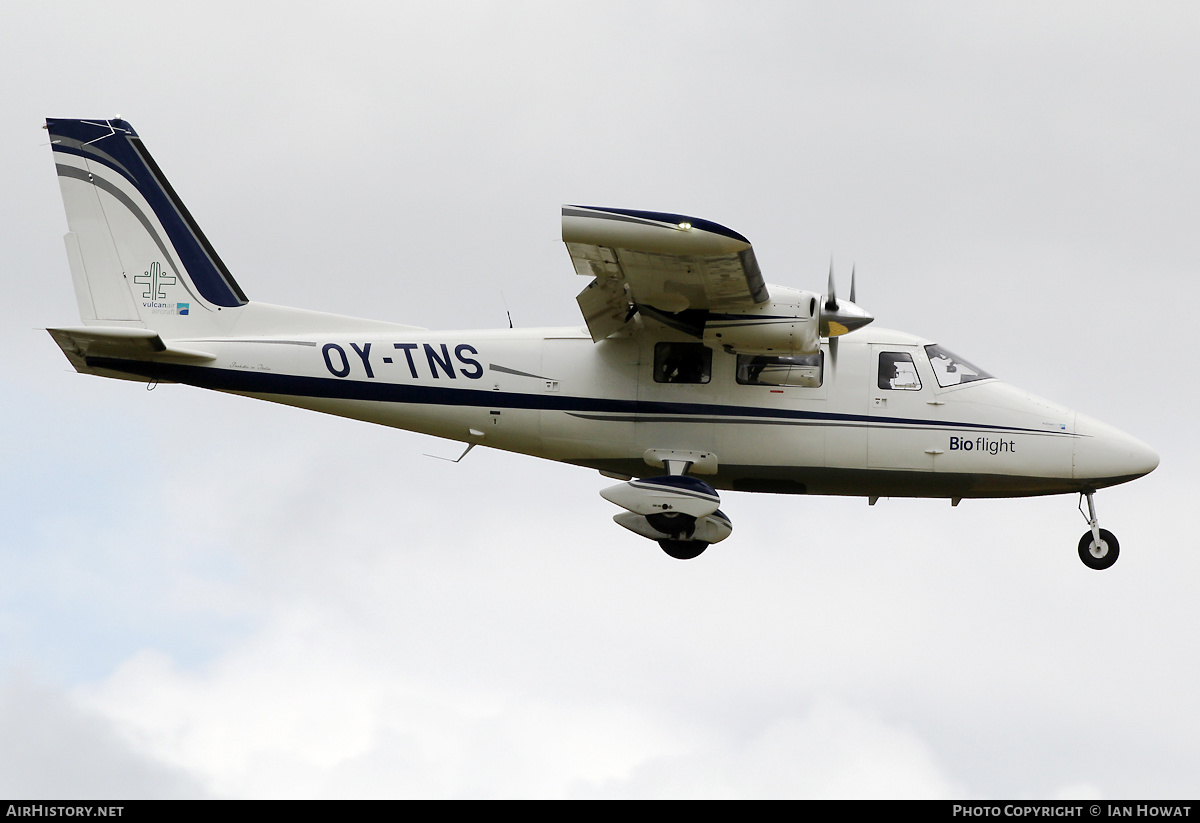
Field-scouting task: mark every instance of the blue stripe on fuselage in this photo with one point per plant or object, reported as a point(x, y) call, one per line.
point(209, 377)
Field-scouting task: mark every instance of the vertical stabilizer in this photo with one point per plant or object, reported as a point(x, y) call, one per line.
point(137, 257)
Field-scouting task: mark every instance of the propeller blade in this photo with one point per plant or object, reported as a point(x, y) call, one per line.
point(833, 348)
point(831, 303)
point(853, 271)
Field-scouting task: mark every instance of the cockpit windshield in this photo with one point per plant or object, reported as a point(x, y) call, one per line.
point(952, 370)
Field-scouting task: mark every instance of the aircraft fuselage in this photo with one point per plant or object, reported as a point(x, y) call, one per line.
point(555, 394)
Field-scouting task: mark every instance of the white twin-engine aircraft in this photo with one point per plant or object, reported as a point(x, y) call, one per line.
point(692, 374)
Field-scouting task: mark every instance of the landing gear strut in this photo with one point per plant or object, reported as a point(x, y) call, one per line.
point(1098, 548)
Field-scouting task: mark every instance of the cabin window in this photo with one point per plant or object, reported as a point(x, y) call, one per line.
point(898, 371)
point(952, 370)
point(763, 370)
point(682, 363)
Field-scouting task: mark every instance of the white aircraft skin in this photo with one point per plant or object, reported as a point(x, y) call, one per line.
point(668, 293)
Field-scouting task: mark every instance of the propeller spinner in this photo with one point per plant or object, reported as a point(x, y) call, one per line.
point(840, 317)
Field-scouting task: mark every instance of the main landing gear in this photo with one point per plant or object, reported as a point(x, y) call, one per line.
point(677, 511)
point(1098, 548)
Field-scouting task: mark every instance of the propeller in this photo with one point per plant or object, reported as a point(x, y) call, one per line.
point(840, 317)
point(831, 307)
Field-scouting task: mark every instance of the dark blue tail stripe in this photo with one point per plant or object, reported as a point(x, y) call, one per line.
point(124, 153)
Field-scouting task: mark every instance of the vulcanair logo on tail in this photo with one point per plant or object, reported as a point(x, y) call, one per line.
point(155, 298)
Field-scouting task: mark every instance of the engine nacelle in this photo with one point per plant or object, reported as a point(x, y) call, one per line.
point(787, 324)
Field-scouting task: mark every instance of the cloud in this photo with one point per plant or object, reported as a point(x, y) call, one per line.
point(55, 747)
point(831, 751)
point(301, 712)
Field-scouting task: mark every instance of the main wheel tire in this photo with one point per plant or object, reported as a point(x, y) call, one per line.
point(1102, 556)
point(683, 549)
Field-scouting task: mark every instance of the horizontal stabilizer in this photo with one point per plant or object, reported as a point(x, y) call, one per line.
point(123, 343)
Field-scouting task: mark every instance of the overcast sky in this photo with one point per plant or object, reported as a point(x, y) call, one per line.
point(205, 596)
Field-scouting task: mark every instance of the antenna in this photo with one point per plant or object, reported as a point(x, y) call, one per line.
point(506, 311)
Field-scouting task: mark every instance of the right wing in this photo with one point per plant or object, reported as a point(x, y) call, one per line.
point(667, 262)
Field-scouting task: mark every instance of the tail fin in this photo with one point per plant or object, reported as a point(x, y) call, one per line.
point(137, 257)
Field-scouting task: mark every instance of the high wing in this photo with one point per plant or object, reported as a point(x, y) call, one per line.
point(657, 263)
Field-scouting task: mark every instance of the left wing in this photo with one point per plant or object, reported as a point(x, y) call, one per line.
point(667, 262)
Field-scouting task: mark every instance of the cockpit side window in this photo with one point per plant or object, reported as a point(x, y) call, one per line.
point(952, 370)
point(682, 363)
point(898, 371)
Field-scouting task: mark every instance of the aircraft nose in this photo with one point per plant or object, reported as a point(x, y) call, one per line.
point(1108, 455)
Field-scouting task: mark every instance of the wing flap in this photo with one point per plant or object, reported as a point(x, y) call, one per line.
point(605, 307)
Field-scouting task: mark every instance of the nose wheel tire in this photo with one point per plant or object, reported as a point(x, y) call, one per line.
point(1100, 556)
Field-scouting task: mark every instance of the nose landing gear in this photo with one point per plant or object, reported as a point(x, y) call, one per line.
point(1098, 548)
